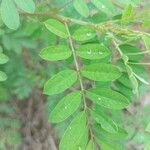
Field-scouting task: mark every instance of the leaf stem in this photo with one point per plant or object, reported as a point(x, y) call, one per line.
point(76, 64)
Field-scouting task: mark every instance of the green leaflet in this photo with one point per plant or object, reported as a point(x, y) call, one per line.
point(3, 76)
point(66, 107)
point(26, 5)
point(9, 14)
point(56, 27)
point(121, 135)
point(146, 40)
point(108, 98)
point(127, 14)
point(106, 122)
point(101, 72)
point(84, 34)
point(126, 48)
point(90, 145)
point(148, 128)
point(81, 7)
point(60, 82)
point(104, 5)
point(93, 51)
point(132, 78)
point(124, 90)
point(108, 145)
point(74, 133)
point(56, 52)
point(3, 58)
point(124, 79)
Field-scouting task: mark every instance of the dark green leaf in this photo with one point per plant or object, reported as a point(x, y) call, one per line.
point(108, 98)
point(101, 72)
point(126, 48)
point(56, 27)
point(66, 107)
point(93, 51)
point(56, 52)
point(60, 82)
point(74, 133)
point(106, 123)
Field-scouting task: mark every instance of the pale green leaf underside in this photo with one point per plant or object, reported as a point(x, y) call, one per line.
point(3, 58)
point(9, 14)
point(56, 27)
point(108, 98)
point(26, 5)
point(74, 133)
point(3, 76)
point(106, 123)
point(66, 107)
point(56, 52)
point(101, 72)
point(60, 82)
point(146, 40)
point(84, 34)
point(81, 7)
point(104, 5)
point(93, 51)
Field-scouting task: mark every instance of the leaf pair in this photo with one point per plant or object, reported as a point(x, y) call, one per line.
point(59, 29)
point(9, 12)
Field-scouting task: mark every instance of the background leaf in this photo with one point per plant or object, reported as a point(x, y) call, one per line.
point(81, 7)
point(27, 6)
point(9, 14)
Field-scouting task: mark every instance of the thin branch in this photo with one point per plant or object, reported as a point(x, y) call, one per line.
point(79, 77)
